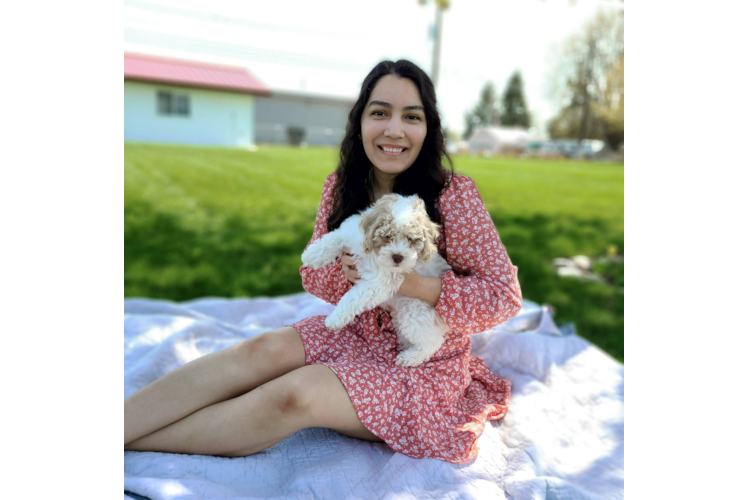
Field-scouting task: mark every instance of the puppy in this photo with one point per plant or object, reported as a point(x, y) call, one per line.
point(392, 237)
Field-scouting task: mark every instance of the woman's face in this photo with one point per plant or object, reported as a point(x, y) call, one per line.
point(393, 124)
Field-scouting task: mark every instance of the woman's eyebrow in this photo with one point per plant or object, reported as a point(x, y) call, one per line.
point(380, 103)
point(389, 106)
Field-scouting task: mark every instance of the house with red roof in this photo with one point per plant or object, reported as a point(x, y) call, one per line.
point(180, 101)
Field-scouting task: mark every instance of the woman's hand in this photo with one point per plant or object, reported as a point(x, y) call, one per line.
point(349, 266)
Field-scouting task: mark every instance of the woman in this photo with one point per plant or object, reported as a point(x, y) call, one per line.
point(248, 397)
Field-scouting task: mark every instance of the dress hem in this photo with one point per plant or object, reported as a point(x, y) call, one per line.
point(471, 450)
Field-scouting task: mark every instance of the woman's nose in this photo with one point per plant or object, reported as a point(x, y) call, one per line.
point(394, 129)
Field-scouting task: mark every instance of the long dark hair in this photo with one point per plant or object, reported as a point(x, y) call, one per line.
point(425, 177)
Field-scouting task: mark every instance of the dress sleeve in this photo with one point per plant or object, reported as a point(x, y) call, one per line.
point(329, 282)
point(482, 290)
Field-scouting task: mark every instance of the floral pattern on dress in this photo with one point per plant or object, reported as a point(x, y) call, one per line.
point(438, 409)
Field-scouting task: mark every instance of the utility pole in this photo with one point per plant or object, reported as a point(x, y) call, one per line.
point(437, 45)
point(441, 6)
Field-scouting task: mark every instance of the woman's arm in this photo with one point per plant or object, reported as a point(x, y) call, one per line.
point(425, 288)
point(482, 290)
point(329, 282)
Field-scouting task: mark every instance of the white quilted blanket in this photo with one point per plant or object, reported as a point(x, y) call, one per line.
point(561, 439)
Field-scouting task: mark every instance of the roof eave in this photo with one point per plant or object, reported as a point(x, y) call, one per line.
point(180, 83)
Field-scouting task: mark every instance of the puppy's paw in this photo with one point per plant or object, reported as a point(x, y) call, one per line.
point(335, 321)
point(315, 257)
point(410, 358)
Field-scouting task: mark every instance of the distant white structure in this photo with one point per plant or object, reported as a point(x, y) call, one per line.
point(593, 146)
point(188, 102)
point(493, 140)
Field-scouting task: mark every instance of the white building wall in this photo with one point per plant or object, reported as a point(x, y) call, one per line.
point(498, 140)
point(483, 141)
point(216, 117)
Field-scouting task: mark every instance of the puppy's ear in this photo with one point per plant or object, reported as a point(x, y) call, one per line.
point(430, 233)
point(368, 225)
point(417, 202)
point(429, 230)
point(376, 217)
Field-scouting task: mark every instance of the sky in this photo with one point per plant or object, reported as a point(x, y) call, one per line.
point(328, 46)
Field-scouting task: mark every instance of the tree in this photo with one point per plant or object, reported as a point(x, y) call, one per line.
point(485, 113)
point(588, 82)
point(513, 106)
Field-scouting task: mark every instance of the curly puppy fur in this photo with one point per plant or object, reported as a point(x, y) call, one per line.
point(389, 239)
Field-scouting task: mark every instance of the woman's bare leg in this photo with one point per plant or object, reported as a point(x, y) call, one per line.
point(311, 396)
point(215, 377)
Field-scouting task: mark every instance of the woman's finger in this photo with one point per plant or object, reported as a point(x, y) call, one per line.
point(349, 266)
point(350, 273)
point(348, 261)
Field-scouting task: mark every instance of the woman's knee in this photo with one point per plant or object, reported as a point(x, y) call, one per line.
point(281, 348)
point(313, 391)
point(299, 393)
point(313, 396)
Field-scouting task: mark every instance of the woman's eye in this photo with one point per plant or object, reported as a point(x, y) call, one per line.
point(377, 113)
point(414, 117)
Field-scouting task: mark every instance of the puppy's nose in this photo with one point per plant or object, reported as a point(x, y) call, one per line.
point(397, 258)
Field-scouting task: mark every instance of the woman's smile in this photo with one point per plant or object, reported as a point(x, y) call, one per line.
point(392, 150)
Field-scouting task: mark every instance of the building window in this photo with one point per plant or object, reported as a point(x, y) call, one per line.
point(169, 103)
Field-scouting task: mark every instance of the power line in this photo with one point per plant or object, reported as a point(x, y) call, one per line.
point(210, 47)
point(233, 20)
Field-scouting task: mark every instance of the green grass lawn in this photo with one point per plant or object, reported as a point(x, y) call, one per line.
point(231, 223)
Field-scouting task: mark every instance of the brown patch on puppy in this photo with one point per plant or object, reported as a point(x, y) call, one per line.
point(377, 222)
point(426, 231)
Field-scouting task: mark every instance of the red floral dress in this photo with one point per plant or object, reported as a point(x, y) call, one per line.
point(438, 409)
